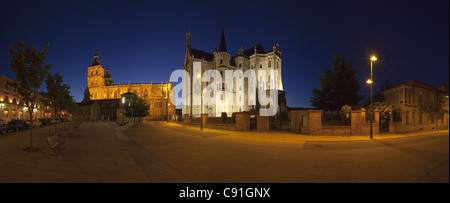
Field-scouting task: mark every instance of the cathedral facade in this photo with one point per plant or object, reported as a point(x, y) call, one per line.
point(254, 58)
point(101, 87)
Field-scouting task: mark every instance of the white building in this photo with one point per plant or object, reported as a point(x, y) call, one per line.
point(254, 58)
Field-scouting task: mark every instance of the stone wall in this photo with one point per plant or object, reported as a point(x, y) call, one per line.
point(262, 123)
point(242, 121)
point(309, 122)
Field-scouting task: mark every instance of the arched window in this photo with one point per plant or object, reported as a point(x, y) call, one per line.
point(92, 72)
point(260, 65)
point(92, 83)
point(240, 65)
point(270, 63)
point(221, 61)
point(96, 71)
point(96, 82)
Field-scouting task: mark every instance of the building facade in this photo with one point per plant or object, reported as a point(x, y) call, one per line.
point(101, 87)
point(254, 58)
point(12, 107)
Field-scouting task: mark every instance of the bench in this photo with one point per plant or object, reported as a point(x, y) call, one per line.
point(54, 142)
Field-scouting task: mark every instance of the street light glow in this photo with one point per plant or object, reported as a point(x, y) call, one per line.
point(199, 76)
point(369, 81)
point(373, 58)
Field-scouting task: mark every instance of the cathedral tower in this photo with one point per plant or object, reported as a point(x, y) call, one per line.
point(108, 79)
point(95, 76)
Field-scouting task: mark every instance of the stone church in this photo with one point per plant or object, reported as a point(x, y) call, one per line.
point(254, 58)
point(101, 87)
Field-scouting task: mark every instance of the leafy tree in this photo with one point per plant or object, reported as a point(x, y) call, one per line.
point(58, 94)
point(87, 95)
point(75, 112)
point(30, 69)
point(339, 86)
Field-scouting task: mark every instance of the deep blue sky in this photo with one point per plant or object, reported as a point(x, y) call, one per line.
point(145, 40)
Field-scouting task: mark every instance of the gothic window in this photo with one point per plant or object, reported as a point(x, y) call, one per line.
point(221, 61)
point(96, 71)
point(260, 65)
point(240, 65)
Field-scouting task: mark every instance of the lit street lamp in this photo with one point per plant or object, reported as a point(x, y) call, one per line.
point(370, 81)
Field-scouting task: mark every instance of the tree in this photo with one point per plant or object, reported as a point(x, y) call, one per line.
point(58, 94)
point(30, 69)
point(339, 86)
point(75, 112)
point(378, 97)
point(136, 108)
point(87, 95)
point(322, 98)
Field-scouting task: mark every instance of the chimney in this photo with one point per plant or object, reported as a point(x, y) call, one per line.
point(188, 39)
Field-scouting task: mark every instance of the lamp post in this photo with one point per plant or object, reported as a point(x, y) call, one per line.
point(201, 100)
point(370, 81)
point(167, 102)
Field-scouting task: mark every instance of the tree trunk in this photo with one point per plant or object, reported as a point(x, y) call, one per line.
point(56, 124)
point(31, 130)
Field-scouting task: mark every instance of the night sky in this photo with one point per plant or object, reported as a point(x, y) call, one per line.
point(145, 41)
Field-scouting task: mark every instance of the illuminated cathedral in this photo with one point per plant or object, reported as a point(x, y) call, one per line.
point(101, 87)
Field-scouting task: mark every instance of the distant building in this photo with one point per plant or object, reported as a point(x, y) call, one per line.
point(12, 107)
point(103, 109)
point(101, 87)
point(423, 107)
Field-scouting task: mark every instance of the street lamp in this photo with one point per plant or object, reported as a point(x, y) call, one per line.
point(201, 101)
point(370, 81)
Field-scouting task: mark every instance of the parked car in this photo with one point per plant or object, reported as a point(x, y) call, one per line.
point(3, 130)
point(44, 122)
point(51, 121)
point(36, 123)
point(16, 125)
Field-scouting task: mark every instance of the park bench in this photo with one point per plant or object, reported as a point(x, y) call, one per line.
point(54, 142)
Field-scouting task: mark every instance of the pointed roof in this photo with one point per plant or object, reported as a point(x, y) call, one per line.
point(223, 45)
point(107, 74)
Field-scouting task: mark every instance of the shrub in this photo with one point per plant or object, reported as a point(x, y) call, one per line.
point(224, 117)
